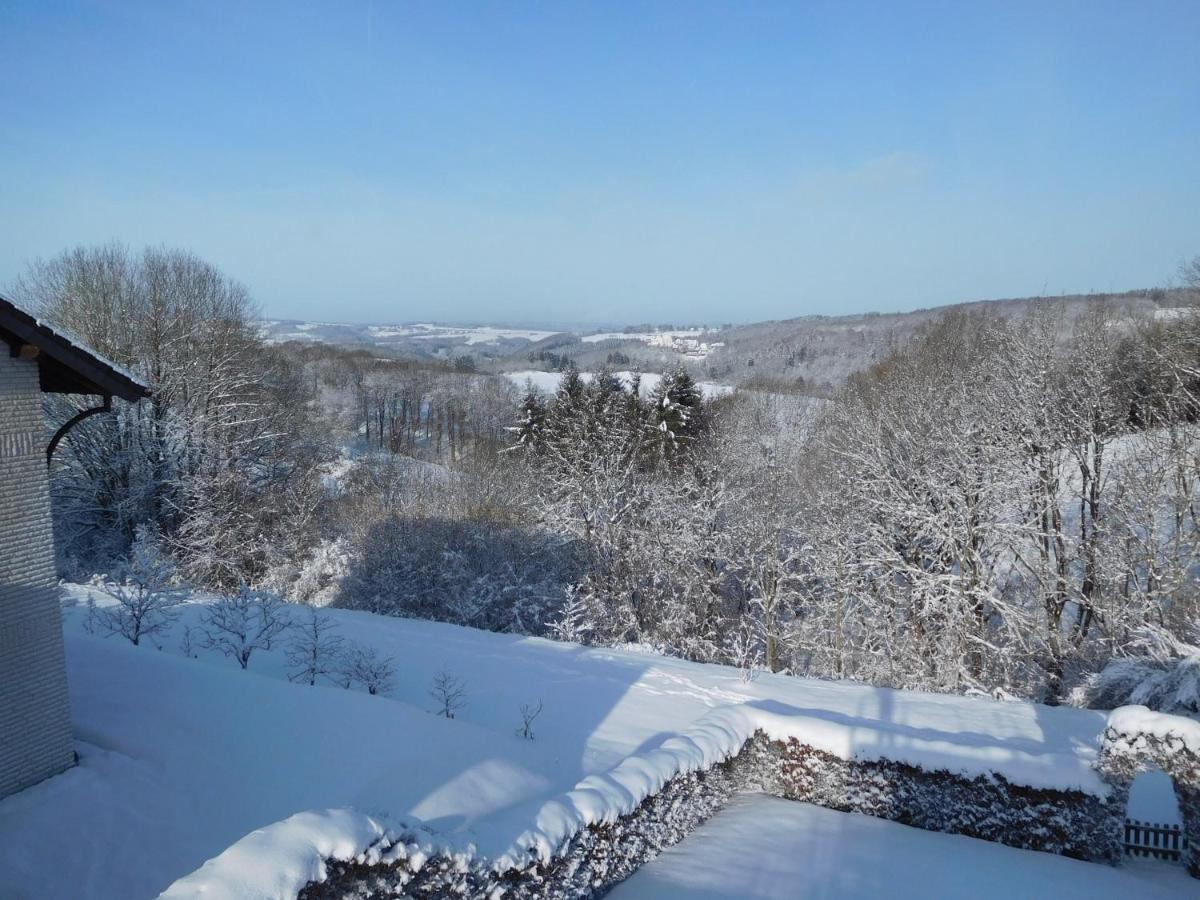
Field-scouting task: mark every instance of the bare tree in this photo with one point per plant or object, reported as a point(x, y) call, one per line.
point(1189, 274)
point(363, 665)
point(529, 712)
point(450, 692)
point(314, 650)
point(147, 603)
point(244, 622)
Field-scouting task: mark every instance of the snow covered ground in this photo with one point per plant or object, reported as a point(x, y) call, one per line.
point(547, 382)
point(686, 342)
point(276, 331)
point(182, 757)
point(654, 338)
point(763, 848)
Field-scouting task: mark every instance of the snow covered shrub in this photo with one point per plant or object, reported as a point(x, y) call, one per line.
point(316, 580)
point(360, 664)
point(244, 622)
point(588, 859)
point(484, 574)
point(574, 622)
point(1165, 677)
point(313, 652)
point(529, 712)
point(147, 603)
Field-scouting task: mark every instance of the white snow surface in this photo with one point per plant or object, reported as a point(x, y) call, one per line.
point(1135, 720)
point(296, 849)
point(763, 848)
point(547, 382)
point(654, 338)
point(275, 331)
point(182, 758)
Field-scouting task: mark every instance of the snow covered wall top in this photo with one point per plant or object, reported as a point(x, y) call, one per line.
point(1132, 722)
point(300, 845)
point(601, 799)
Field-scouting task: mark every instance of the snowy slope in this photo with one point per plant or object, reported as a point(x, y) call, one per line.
point(181, 758)
point(763, 848)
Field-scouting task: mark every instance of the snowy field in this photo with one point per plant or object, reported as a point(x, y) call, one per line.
point(654, 338)
point(763, 848)
point(686, 341)
point(277, 331)
point(547, 382)
point(182, 757)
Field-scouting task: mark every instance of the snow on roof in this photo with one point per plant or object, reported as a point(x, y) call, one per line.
point(61, 353)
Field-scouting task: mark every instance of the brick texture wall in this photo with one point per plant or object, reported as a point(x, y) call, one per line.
point(35, 726)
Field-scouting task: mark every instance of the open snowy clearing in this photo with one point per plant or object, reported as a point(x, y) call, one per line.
point(182, 757)
point(764, 848)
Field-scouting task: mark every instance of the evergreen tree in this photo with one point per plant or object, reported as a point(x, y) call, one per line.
point(531, 423)
point(676, 414)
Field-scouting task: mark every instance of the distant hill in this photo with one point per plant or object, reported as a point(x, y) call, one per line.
point(825, 350)
point(810, 353)
point(417, 340)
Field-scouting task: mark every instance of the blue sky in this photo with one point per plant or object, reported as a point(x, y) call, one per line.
point(610, 162)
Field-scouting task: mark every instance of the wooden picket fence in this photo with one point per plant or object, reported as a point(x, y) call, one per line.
point(1154, 840)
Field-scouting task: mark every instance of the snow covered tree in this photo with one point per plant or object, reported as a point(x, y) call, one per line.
point(676, 414)
point(214, 459)
point(527, 432)
point(1164, 675)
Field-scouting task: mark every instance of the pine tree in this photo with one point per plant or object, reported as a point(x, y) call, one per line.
point(676, 410)
point(531, 423)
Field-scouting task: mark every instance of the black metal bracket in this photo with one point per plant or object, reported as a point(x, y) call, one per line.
point(75, 420)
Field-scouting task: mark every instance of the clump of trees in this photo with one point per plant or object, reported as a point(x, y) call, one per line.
point(219, 462)
point(1003, 504)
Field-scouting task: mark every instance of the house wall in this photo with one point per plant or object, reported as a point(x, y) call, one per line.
point(35, 726)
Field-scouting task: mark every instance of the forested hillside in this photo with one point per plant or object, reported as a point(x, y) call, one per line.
point(1003, 501)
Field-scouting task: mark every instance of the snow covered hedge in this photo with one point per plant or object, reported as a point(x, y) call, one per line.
point(1067, 822)
point(580, 851)
point(592, 861)
point(1135, 738)
point(582, 842)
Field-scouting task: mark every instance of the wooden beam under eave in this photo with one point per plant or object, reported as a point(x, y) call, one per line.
point(28, 351)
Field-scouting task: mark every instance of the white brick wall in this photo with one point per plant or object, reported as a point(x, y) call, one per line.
point(35, 725)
